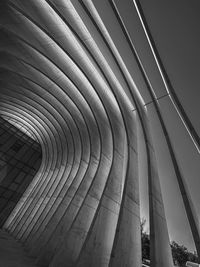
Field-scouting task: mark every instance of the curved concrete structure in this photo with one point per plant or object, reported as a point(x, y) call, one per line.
point(65, 80)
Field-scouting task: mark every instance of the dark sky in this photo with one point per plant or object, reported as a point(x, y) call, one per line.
point(175, 26)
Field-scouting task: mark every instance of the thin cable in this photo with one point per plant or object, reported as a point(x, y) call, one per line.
point(174, 99)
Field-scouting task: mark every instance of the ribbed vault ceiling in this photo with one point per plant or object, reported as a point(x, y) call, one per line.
point(62, 77)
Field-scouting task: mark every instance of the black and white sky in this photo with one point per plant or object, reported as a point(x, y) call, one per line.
point(175, 26)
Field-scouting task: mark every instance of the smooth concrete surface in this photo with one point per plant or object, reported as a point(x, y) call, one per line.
point(69, 73)
point(12, 254)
